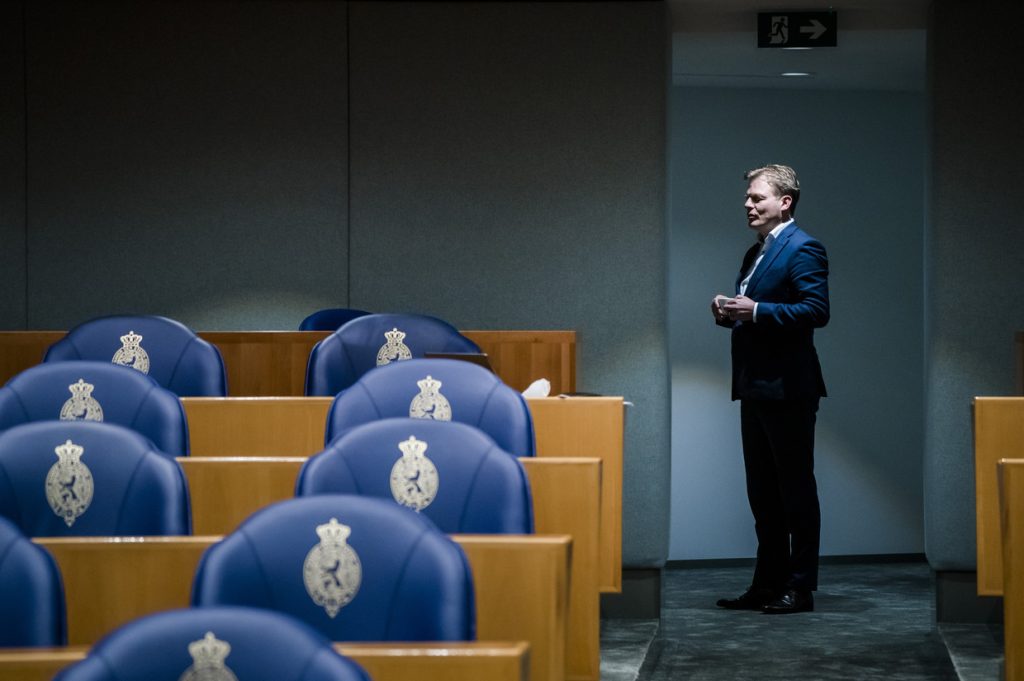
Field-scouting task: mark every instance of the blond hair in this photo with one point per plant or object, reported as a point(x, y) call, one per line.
point(780, 178)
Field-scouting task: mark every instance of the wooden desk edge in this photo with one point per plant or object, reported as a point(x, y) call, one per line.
point(61, 657)
point(512, 539)
point(988, 535)
point(129, 541)
point(440, 649)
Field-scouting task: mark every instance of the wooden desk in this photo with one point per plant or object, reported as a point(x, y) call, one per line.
point(998, 434)
point(522, 357)
point(590, 426)
point(521, 584)
point(566, 500)
point(1011, 479)
point(494, 661)
point(273, 363)
point(20, 350)
point(288, 427)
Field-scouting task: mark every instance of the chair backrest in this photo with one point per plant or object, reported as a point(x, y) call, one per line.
point(452, 473)
point(30, 591)
point(96, 391)
point(330, 319)
point(439, 389)
point(376, 340)
point(79, 478)
point(197, 644)
point(163, 348)
point(355, 568)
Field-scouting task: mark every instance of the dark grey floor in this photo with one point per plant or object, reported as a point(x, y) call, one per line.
point(872, 621)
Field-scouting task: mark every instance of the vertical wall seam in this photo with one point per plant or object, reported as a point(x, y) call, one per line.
point(24, 99)
point(348, 154)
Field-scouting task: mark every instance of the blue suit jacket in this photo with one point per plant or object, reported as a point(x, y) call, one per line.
point(774, 358)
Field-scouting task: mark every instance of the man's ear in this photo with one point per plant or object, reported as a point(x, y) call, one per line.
point(787, 201)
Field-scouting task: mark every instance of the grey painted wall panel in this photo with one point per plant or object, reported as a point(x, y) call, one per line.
point(860, 158)
point(12, 166)
point(187, 159)
point(508, 172)
point(974, 254)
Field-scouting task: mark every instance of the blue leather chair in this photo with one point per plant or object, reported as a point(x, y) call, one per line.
point(163, 348)
point(30, 591)
point(450, 472)
point(196, 644)
point(330, 319)
point(375, 340)
point(355, 568)
point(440, 389)
point(79, 478)
point(96, 391)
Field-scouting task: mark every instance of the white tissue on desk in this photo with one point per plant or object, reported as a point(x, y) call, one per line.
point(539, 388)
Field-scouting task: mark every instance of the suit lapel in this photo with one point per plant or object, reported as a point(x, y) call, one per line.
point(748, 260)
point(770, 256)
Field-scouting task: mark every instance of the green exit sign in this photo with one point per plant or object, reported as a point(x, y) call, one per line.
point(796, 29)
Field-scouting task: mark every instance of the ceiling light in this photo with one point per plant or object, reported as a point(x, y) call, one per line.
point(797, 74)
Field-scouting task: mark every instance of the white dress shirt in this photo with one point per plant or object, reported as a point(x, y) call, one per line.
point(768, 239)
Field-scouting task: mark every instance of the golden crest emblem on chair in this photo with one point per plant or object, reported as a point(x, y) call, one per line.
point(81, 406)
point(332, 571)
point(131, 354)
point(208, 655)
point(69, 485)
point(430, 403)
point(394, 350)
point(414, 478)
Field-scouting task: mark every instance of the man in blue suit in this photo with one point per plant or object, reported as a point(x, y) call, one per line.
point(782, 296)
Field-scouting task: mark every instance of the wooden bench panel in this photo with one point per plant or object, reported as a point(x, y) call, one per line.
point(273, 363)
point(265, 363)
point(523, 594)
point(256, 426)
point(998, 434)
point(590, 426)
point(109, 581)
point(566, 500)
point(1011, 479)
point(20, 350)
point(494, 661)
point(521, 584)
point(225, 490)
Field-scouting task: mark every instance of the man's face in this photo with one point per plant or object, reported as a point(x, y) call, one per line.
point(764, 207)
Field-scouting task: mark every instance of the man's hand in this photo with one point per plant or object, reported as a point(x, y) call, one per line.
point(717, 311)
point(739, 309)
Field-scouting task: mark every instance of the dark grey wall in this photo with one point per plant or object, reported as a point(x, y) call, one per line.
point(236, 165)
point(861, 161)
point(974, 253)
point(186, 159)
point(12, 167)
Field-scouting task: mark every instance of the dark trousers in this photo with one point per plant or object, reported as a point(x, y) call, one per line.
point(778, 454)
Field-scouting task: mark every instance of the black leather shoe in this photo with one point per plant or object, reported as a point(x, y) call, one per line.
point(791, 600)
point(751, 599)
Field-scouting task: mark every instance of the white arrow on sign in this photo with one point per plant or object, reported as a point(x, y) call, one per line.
point(817, 28)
